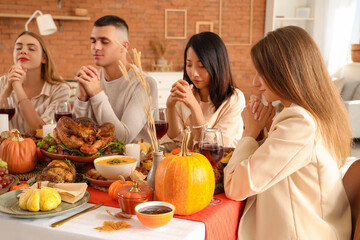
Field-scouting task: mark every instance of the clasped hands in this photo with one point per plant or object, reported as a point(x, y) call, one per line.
point(16, 74)
point(256, 116)
point(88, 79)
point(181, 91)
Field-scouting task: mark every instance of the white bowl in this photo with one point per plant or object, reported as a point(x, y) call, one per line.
point(112, 172)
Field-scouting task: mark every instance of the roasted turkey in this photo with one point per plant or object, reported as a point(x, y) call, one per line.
point(87, 138)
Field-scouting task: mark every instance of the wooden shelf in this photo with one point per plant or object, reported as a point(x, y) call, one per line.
point(77, 18)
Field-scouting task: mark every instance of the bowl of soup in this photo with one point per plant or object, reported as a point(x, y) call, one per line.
point(154, 214)
point(111, 167)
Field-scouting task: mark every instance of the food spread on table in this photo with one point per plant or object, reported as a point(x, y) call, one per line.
point(84, 139)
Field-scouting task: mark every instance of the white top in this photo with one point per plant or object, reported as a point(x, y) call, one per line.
point(120, 103)
point(292, 184)
point(227, 117)
point(44, 103)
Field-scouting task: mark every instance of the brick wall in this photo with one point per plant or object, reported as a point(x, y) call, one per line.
point(146, 19)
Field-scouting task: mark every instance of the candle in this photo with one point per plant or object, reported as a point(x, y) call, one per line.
point(4, 122)
point(133, 150)
point(48, 128)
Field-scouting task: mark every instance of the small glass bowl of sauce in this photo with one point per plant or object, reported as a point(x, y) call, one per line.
point(154, 214)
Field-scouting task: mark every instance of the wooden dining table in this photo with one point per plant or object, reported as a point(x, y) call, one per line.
point(214, 222)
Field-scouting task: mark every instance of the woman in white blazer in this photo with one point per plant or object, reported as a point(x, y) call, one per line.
point(291, 180)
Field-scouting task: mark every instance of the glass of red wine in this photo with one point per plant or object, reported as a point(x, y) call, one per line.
point(62, 109)
point(161, 123)
point(211, 146)
point(7, 106)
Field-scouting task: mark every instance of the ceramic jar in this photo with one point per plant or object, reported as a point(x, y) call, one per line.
point(131, 195)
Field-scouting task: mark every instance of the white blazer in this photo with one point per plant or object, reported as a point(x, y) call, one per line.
point(291, 182)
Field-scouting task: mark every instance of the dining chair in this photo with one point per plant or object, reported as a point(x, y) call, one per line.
point(351, 181)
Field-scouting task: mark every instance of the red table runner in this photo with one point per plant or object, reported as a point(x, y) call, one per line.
point(221, 221)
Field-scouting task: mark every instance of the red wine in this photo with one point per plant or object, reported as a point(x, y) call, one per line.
point(9, 111)
point(62, 114)
point(161, 128)
point(212, 152)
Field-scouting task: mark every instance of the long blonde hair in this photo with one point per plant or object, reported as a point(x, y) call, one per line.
point(48, 69)
point(291, 64)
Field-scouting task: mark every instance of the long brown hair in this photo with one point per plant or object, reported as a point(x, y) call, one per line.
point(48, 69)
point(291, 64)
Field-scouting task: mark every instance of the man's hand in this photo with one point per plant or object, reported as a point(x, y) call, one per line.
point(88, 79)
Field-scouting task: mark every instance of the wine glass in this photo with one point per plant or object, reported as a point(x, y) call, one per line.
point(7, 106)
point(62, 109)
point(211, 146)
point(161, 123)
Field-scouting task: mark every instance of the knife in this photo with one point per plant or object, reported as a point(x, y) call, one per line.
point(61, 222)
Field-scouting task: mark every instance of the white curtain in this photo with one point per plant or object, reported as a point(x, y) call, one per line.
point(342, 19)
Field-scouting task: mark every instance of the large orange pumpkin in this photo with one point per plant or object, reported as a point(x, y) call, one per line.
point(185, 180)
point(19, 153)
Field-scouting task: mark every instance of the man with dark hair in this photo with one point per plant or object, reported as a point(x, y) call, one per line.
point(106, 95)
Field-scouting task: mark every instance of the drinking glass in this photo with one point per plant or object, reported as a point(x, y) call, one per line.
point(161, 123)
point(7, 106)
point(211, 146)
point(62, 109)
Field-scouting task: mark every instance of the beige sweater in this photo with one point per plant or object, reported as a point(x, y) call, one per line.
point(121, 103)
point(291, 182)
point(227, 117)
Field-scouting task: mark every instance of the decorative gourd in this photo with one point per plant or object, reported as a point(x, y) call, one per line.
point(186, 181)
point(19, 185)
point(115, 186)
point(19, 153)
point(43, 199)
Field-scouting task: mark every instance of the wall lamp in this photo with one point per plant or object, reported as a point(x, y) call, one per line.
point(45, 23)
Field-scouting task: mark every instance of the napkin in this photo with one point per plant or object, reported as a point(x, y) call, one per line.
point(69, 192)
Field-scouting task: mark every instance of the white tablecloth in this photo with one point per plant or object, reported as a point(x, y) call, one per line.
point(83, 226)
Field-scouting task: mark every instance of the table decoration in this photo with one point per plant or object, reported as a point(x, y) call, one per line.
point(4, 122)
point(48, 129)
point(157, 158)
point(147, 104)
point(19, 153)
point(9, 205)
point(133, 150)
point(185, 180)
point(131, 195)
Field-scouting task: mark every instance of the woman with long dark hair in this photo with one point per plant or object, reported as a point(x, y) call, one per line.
point(292, 180)
point(207, 96)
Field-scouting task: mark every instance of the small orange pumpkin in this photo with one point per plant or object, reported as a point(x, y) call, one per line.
point(19, 153)
point(185, 180)
point(115, 186)
point(19, 185)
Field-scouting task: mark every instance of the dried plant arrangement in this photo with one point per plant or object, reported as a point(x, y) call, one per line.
point(146, 97)
point(159, 46)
